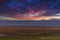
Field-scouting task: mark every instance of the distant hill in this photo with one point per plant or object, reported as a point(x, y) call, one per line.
point(29, 23)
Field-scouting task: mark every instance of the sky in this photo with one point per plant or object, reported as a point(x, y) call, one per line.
point(29, 9)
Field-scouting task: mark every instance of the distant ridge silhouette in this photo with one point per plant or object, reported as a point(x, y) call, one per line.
point(29, 23)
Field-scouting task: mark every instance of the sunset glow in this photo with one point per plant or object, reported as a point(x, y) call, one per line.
point(30, 9)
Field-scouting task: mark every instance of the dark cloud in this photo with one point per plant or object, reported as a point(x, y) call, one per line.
point(14, 6)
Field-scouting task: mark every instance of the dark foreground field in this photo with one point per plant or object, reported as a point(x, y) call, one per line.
point(54, 37)
point(29, 33)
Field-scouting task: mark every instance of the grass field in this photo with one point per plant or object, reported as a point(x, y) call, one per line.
point(30, 33)
point(31, 37)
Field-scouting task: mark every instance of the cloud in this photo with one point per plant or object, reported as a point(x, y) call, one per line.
point(6, 18)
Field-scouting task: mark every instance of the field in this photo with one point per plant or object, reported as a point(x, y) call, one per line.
point(30, 37)
point(30, 33)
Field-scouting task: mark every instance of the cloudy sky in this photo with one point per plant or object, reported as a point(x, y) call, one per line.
point(29, 9)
